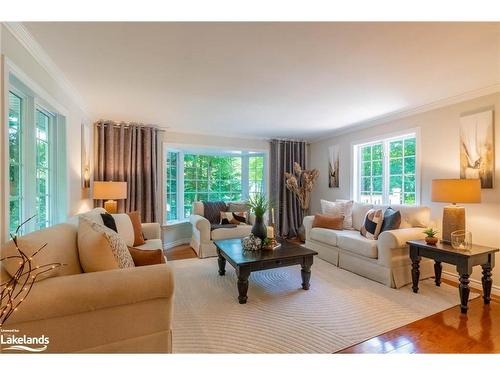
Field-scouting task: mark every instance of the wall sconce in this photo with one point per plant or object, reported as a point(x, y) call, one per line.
point(86, 177)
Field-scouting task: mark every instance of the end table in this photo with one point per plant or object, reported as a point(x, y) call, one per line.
point(464, 260)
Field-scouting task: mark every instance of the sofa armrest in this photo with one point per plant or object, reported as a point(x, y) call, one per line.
point(308, 222)
point(85, 292)
point(396, 239)
point(201, 228)
point(151, 231)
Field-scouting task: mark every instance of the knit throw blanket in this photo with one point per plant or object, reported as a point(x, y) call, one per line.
point(212, 210)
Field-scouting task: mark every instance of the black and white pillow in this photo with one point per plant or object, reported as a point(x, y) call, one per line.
point(121, 224)
point(372, 224)
point(392, 220)
point(233, 218)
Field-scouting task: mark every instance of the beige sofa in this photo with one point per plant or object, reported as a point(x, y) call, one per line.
point(386, 259)
point(203, 237)
point(117, 311)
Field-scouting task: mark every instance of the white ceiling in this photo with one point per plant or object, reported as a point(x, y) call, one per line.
point(293, 80)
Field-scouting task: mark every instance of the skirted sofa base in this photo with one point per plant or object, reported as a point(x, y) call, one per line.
point(395, 277)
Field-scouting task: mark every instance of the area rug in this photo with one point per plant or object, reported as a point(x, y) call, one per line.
point(339, 310)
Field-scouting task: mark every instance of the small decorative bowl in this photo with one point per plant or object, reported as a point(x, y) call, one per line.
point(251, 243)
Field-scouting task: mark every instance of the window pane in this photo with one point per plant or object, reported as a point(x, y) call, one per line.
point(366, 184)
point(396, 149)
point(409, 184)
point(410, 146)
point(377, 152)
point(366, 168)
point(409, 198)
point(377, 168)
point(396, 182)
point(42, 166)
point(410, 165)
point(15, 215)
point(366, 153)
point(377, 184)
point(396, 166)
point(15, 180)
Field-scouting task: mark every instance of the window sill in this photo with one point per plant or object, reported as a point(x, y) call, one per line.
point(175, 223)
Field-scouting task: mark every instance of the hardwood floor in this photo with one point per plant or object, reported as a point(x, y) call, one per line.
point(446, 332)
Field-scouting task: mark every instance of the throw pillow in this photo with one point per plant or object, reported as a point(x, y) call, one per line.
point(212, 210)
point(341, 207)
point(135, 218)
point(373, 223)
point(100, 248)
point(328, 221)
point(392, 220)
point(124, 228)
point(146, 257)
point(233, 218)
point(238, 207)
point(109, 221)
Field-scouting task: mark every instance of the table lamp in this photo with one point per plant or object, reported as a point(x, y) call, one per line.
point(455, 191)
point(110, 190)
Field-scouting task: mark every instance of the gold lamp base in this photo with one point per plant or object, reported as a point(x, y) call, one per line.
point(111, 206)
point(453, 219)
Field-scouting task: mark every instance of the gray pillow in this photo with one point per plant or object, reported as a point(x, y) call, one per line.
point(392, 220)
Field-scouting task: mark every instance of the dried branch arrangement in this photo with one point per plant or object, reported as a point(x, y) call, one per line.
point(14, 291)
point(301, 183)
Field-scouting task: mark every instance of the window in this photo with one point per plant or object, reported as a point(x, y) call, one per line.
point(197, 176)
point(34, 132)
point(385, 171)
point(15, 162)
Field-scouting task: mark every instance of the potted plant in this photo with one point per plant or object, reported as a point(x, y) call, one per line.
point(431, 238)
point(259, 204)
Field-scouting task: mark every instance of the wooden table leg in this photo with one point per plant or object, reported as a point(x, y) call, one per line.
point(487, 283)
point(222, 265)
point(305, 272)
point(243, 275)
point(415, 268)
point(464, 292)
point(438, 268)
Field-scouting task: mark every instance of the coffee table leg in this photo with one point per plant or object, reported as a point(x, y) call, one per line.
point(243, 285)
point(487, 282)
point(222, 265)
point(305, 272)
point(438, 268)
point(464, 292)
point(415, 273)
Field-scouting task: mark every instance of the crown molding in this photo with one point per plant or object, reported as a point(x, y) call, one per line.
point(24, 37)
point(397, 115)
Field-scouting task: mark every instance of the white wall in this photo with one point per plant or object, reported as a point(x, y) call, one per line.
point(439, 159)
point(181, 233)
point(15, 52)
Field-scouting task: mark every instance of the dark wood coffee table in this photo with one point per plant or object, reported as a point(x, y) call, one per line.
point(246, 262)
point(464, 260)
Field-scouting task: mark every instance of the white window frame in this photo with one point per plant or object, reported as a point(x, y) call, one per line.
point(34, 98)
point(355, 177)
point(182, 149)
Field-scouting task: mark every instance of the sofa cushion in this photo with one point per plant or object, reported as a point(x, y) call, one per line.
point(135, 218)
point(359, 211)
point(392, 220)
point(326, 236)
point(411, 216)
point(61, 248)
point(239, 231)
point(354, 242)
point(328, 221)
point(146, 257)
point(152, 244)
point(212, 210)
point(373, 224)
point(100, 248)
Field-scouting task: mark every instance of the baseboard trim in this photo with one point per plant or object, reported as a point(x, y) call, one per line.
point(182, 241)
point(473, 282)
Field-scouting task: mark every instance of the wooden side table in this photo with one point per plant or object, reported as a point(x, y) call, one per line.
point(464, 260)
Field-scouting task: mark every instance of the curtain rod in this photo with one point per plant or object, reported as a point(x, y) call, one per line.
point(127, 124)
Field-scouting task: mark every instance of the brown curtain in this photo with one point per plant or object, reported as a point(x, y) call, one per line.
point(130, 152)
point(289, 214)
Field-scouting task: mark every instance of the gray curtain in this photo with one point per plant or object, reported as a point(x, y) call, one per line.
point(288, 212)
point(131, 153)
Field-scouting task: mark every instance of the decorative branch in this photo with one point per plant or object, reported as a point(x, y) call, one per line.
point(14, 291)
point(301, 183)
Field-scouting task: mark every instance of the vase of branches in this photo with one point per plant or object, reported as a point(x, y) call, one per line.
point(259, 204)
point(301, 183)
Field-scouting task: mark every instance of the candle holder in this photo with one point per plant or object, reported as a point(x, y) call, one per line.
point(270, 242)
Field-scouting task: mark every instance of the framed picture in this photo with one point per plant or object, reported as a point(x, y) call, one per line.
point(477, 148)
point(85, 156)
point(333, 166)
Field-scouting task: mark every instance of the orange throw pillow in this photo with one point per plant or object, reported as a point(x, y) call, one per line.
point(328, 221)
point(135, 218)
point(146, 257)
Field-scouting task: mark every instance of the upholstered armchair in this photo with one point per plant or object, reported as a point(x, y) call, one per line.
point(204, 232)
